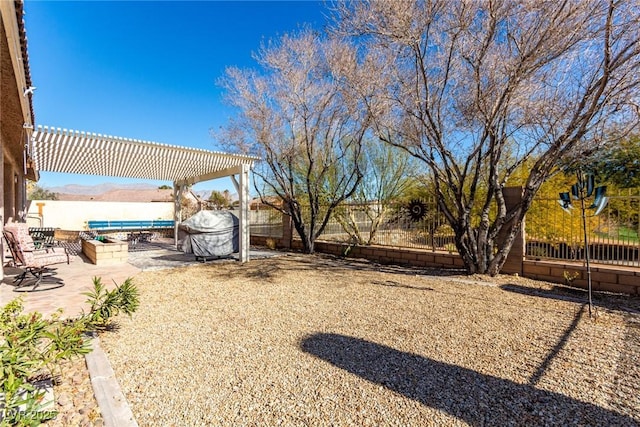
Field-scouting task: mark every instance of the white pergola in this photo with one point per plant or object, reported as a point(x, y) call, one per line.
point(70, 151)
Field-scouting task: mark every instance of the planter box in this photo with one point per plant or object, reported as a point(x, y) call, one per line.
point(110, 251)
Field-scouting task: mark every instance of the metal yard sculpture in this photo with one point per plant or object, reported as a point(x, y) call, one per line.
point(584, 190)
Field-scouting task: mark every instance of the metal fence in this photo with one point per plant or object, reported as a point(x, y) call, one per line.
point(397, 227)
point(553, 233)
point(265, 221)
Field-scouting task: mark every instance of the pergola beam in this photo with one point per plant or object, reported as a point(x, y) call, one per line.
point(71, 151)
point(213, 175)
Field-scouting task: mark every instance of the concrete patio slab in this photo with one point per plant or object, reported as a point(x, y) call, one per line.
point(77, 277)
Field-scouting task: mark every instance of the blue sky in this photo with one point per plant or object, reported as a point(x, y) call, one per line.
point(147, 70)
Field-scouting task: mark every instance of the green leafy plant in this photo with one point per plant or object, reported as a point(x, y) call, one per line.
point(32, 346)
point(29, 349)
point(106, 304)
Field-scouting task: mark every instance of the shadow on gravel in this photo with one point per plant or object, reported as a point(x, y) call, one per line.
point(608, 301)
point(393, 284)
point(334, 264)
point(468, 395)
point(627, 378)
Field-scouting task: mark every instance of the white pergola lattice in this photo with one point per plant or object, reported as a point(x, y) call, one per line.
point(70, 151)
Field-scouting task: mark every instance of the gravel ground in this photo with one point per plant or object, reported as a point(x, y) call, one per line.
point(75, 402)
point(312, 340)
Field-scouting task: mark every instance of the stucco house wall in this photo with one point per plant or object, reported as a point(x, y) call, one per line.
point(16, 111)
point(16, 114)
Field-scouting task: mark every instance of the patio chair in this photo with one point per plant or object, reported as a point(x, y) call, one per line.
point(43, 236)
point(35, 262)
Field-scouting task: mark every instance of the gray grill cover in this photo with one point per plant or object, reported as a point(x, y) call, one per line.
point(210, 234)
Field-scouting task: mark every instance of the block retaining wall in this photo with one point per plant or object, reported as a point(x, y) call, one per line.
point(105, 253)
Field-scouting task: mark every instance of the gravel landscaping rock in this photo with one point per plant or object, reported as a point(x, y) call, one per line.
point(312, 340)
point(73, 392)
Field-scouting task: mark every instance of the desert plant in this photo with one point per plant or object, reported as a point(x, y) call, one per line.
point(471, 90)
point(570, 277)
point(105, 304)
point(31, 347)
point(271, 243)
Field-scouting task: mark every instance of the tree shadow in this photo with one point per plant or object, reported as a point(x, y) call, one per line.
point(394, 284)
point(535, 378)
point(362, 264)
point(471, 396)
point(609, 301)
point(324, 262)
point(628, 370)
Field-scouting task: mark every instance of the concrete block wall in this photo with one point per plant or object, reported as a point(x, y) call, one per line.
point(603, 278)
point(73, 215)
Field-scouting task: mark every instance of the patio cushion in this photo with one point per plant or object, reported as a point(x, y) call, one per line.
point(27, 254)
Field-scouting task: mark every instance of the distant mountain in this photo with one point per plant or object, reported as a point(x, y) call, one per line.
point(127, 195)
point(205, 194)
point(100, 188)
point(140, 192)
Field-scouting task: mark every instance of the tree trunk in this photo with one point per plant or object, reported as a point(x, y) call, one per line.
point(307, 241)
point(484, 251)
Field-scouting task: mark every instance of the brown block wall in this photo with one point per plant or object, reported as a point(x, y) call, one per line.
point(603, 278)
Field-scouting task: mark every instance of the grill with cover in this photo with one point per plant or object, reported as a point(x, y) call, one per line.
point(209, 234)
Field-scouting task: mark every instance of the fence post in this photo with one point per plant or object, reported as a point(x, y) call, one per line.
point(515, 259)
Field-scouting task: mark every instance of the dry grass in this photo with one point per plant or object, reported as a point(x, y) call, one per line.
point(309, 340)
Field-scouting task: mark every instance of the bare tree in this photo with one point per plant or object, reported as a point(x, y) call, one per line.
point(295, 115)
point(475, 88)
point(386, 174)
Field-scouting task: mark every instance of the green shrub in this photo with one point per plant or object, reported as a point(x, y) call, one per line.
point(31, 347)
point(107, 304)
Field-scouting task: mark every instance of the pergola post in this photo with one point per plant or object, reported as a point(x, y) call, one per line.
point(242, 187)
point(177, 210)
point(245, 233)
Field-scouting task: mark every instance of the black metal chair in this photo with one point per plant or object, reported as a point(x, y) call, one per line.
point(35, 261)
point(43, 236)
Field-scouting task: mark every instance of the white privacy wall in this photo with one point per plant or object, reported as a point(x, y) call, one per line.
point(73, 215)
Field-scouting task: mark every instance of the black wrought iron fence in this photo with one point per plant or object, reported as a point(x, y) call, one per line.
point(418, 224)
point(396, 224)
point(552, 233)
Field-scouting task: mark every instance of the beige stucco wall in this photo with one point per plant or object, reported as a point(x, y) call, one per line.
point(73, 215)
